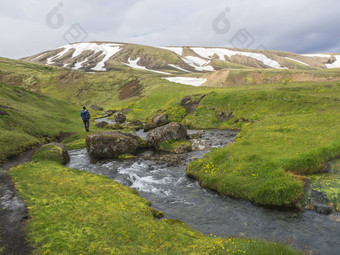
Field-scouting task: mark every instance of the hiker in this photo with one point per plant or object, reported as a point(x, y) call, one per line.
point(85, 115)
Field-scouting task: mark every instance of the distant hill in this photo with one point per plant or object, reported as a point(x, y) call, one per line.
point(109, 56)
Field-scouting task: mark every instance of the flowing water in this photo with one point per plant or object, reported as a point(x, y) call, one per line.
point(179, 197)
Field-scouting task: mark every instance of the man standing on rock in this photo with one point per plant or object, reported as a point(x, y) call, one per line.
point(85, 115)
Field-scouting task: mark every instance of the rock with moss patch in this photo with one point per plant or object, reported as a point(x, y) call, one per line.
point(111, 144)
point(135, 124)
point(110, 112)
point(323, 208)
point(120, 118)
point(102, 124)
point(176, 147)
point(160, 120)
point(173, 131)
point(149, 126)
point(54, 152)
point(96, 107)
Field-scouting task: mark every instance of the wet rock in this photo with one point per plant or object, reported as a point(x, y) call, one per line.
point(173, 131)
point(160, 120)
point(200, 145)
point(102, 124)
point(111, 144)
point(197, 135)
point(147, 155)
point(135, 124)
point(319, 197)
point(120, 118)
point(54, 152)
point(335, 217)
point(224, 116)
point(149, 126)
point(323, 208)
point(171, 159)
point(96, 107)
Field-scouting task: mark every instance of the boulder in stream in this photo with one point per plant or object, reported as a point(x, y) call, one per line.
point(173, 131)
point(111, 144)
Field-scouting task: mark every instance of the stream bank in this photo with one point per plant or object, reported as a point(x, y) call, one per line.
point(13, 211)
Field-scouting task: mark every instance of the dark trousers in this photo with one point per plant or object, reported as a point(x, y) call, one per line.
point(87, 124)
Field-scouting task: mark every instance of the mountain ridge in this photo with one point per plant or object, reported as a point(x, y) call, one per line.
point(108, 56)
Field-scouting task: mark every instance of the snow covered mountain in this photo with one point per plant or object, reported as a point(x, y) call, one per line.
point(108, 56)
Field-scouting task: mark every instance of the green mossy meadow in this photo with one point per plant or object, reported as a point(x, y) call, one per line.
point(74, 212)
point(287, 130)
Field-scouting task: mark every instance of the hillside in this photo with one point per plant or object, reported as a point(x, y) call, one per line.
point(108, 56)
point(27, 119)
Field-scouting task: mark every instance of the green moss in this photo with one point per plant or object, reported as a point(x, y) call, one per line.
point(176, 113)
point(175, 146)
point(126, 156)
point(49, 152)
point(328, 183)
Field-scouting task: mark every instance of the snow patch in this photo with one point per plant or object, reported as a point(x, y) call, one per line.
point(79, 65)
point(221, 53)
point(179, 68)
point(133, 64)
point(187, 80)
point(38, 56)
point(336, 64)
point(50, 61)
point(198, 63)
point(109, 51)
point(298, 61)
point(317, 55)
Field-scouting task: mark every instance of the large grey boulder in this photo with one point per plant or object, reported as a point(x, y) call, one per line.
point(111, 144)
point(173, 131)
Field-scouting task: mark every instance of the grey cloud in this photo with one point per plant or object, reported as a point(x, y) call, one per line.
point(290, 25)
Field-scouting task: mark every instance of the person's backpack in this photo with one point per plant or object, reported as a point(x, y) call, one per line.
point(87, 115)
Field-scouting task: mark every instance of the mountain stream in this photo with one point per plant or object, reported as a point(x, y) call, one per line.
point(182, 198)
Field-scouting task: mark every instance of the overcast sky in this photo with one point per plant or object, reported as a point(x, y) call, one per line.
point(303, 26)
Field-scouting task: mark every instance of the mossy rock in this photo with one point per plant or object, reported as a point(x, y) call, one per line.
point(54, 152)
point(175, 146)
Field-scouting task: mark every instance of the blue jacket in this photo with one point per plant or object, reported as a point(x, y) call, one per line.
point(85, 115)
